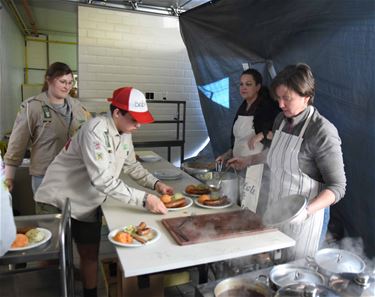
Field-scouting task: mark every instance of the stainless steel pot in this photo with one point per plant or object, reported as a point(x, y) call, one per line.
point(337, 262)
point(288, 274)
point(284, 210)
point(241, 287)
point(306, 290)
point(228, 185)
point(363, 285)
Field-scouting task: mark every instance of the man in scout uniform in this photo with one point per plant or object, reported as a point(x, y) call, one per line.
point(87, 171)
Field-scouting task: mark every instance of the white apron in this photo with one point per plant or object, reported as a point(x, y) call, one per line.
point(249, 185)
point(288, 179)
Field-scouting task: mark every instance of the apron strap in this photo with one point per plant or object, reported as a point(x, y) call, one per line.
point(311, 111)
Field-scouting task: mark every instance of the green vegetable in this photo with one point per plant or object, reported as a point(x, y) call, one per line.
point(177, 196)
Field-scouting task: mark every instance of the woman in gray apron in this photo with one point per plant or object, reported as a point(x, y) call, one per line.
point(305, 158)
point(252, 123)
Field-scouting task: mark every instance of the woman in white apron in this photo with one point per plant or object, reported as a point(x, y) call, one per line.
point(305, 158)
point(253, 120)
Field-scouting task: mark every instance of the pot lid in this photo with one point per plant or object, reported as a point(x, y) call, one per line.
point(306, 290)
point(338, 261)
point(286, 274)
point(284, 210)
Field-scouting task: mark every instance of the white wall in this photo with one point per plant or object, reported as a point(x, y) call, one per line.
point(11, 70)
point(118, 48)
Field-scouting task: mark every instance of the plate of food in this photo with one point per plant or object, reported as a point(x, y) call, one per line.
point(30, 239)
point(150, 158)
point(197, 190)
point(208, 201)
point(167, 174)
point(176, 201)
point(134, 236)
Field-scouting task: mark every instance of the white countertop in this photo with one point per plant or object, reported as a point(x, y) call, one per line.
point(165, 254)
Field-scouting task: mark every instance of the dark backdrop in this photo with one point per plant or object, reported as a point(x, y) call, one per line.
point(335, 37)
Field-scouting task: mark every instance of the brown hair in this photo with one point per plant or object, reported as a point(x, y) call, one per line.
point(56, 69)
point(298, 78)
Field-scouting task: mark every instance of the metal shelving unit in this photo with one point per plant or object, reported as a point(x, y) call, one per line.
point(179, 120)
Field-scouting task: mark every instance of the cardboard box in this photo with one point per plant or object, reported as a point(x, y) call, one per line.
point(140, 286)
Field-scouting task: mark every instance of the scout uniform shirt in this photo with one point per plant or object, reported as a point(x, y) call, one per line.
point(87, 171)
point(45, 129)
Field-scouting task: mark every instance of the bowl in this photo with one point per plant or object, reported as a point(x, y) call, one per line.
point(194, 168)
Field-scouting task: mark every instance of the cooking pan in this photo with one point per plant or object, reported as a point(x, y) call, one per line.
point(306, 290)
point(241, 287)
point(337, 262)
point(284, 210)
point(288, 274)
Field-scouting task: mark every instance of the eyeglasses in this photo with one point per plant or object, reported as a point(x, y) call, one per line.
point(66, 82)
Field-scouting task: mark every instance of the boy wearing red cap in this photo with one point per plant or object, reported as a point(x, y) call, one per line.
point(87, 171)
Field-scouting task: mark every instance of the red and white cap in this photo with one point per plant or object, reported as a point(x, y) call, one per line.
point(133, 101)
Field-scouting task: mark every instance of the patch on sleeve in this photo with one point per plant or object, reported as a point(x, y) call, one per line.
point(99, 156)
point(125, 146)
point(97, 146)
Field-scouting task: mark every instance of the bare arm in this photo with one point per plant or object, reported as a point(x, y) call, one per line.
point(324, 199)
point(240, 163)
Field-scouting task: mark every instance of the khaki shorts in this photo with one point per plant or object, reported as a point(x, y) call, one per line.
point(82, 232)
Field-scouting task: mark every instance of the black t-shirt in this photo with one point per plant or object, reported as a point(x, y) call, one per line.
point(264, 109)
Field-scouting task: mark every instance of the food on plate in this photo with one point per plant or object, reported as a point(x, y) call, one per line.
point(130, 233)
point(123, 237)
point(139, 238)
point(20, 241)
point(34, 235)
point(166, 198)
point(174, 201)
point(203, 198)
point(199, 189)
point(217, 201)
point(213, 201)
point(23, 230)
point(142, 229)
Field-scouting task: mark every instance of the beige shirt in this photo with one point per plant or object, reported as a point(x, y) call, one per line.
point(44, 129)
point(88, 169)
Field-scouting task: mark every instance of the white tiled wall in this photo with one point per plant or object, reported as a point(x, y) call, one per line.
point(118, 48)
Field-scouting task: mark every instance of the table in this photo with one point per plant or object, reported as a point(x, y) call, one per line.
point(165, 254)
point(47, 251)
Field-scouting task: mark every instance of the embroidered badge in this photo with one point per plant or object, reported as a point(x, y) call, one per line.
point(125, 146)
point(99, 156)
point(97, 145)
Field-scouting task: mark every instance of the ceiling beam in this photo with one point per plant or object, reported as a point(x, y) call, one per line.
point(27, 8)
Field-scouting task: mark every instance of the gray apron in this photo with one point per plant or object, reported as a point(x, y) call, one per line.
point(288, 179)
point(250, 179)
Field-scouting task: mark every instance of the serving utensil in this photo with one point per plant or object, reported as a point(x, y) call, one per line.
point(215, 185)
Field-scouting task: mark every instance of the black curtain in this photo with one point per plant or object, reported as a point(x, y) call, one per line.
point(335, 37)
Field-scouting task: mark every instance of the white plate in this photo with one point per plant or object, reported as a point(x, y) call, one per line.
point(167, 174)
point(153, 236)
point(150, 158)
point(47, 236)
point(188, 204)
point(212, 207)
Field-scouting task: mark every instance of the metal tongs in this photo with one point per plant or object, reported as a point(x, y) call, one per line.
point(218, 166)
point(215, 185)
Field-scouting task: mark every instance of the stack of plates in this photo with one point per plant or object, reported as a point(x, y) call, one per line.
point(167, 174)
point(150, 158)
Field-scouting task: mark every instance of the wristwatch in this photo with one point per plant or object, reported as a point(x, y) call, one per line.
point(144, 200)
